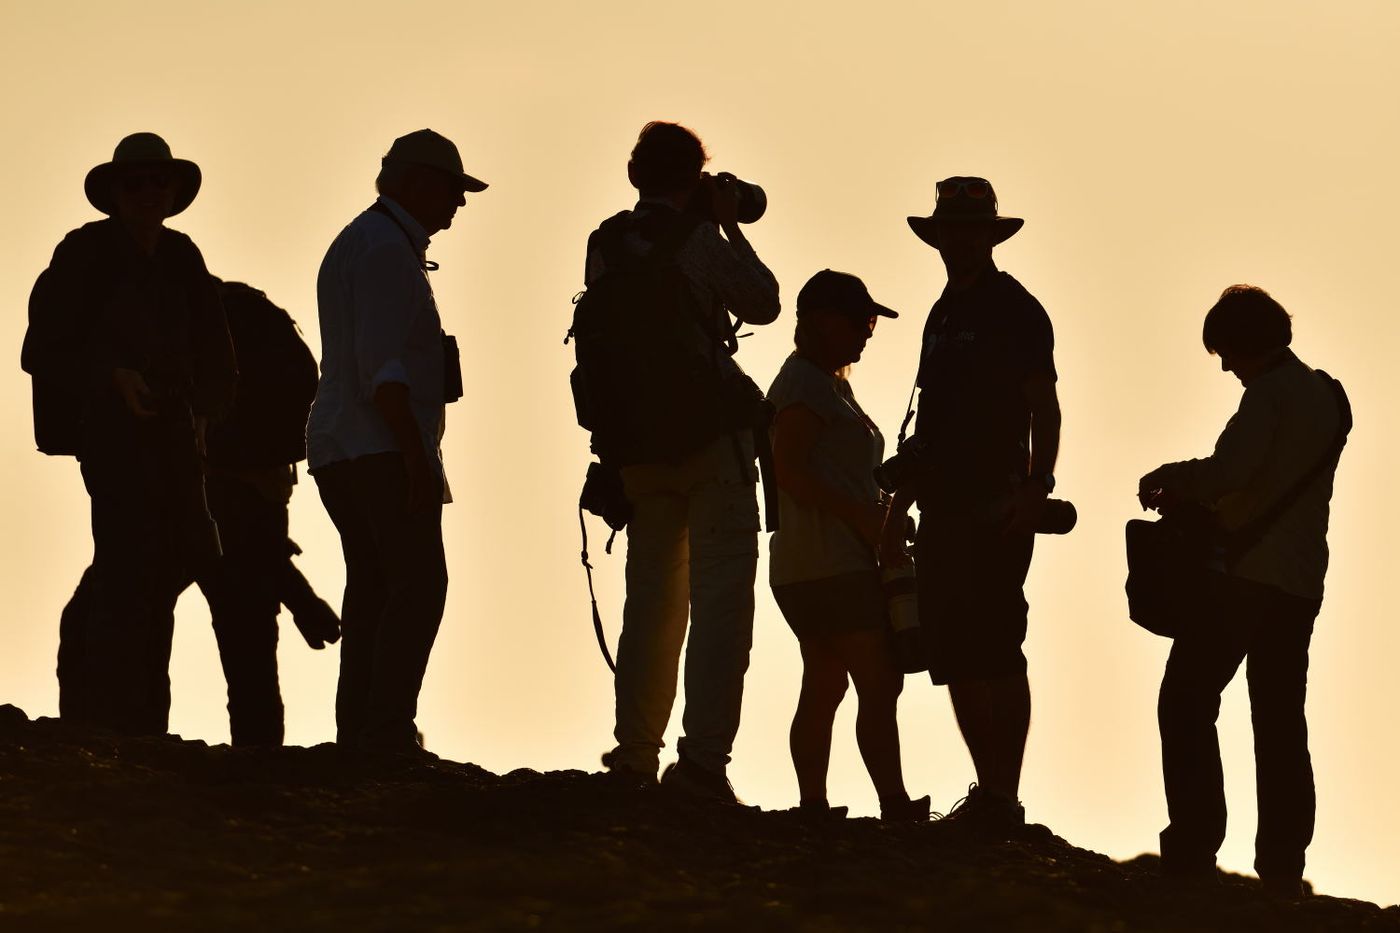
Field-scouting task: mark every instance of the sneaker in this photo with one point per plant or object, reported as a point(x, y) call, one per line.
point(984, 813)
point(624, 775)
point(689, 778)
point(906, 811)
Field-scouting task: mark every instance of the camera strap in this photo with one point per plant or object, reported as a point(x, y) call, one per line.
point(592, 596)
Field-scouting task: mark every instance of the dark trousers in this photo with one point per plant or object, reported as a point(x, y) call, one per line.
point(242, 591)
point(115, 633)
point(1270, 631)
point(395, 589)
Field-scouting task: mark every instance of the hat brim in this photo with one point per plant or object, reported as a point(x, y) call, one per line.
point(98, 184)
point(470, 184)
point(926, 228)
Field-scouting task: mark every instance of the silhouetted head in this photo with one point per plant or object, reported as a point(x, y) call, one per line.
point(143, 184)
point(1246, 328)
point(423, 173)
point(835, 318)
point(965, 225)
point(667, 161)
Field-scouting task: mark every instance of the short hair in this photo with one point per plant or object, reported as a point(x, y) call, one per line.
point(1246, 319)
point(394, 176)
point(667, 157)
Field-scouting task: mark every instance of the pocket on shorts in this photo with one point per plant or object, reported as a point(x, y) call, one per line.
point(724, 513)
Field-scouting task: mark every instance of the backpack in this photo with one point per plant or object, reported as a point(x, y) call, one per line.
point(277, 378)
point(649, 384)
point(64, 308)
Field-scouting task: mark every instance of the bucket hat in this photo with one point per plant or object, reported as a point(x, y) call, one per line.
point(964, 199)
point(839, 291)
point(425, 147)
point(142, 150)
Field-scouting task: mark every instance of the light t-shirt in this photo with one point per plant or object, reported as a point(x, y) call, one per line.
point(811, 543)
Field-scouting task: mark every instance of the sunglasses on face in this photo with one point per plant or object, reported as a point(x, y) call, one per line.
point(975, 189)
point(140, 181)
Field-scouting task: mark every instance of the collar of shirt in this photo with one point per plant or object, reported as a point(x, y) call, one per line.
point(416, 234)
point(653, 202)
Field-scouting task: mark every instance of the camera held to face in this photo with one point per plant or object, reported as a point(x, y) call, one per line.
point(752, 201)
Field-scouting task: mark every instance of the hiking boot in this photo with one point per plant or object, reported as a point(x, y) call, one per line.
point(620, 773)
point(983, 813)
point(906, 810)
point(689, 778)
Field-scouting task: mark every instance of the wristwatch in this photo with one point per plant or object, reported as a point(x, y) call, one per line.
point(1045, 479)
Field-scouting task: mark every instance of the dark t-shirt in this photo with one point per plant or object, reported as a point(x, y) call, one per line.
point(979, 348)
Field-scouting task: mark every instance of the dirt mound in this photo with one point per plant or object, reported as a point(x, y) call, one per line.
point(157, 834)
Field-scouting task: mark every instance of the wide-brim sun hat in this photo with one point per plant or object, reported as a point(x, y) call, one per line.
point(142, 150)
point(425, 147)
point(964, 199)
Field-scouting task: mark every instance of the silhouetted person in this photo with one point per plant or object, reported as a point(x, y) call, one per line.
point(252, 455)
point(131, 358)
point(823, 563)
point(1264, 604)
point(372, 438)
point(249, 477)
point(989, 423)
point(692, 545)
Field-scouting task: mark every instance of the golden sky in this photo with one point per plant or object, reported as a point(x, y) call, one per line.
point(1158, 151)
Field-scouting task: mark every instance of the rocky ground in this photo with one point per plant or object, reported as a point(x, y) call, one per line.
point(99, 832)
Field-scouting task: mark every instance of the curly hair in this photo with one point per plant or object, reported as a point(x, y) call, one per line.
point(667, 157)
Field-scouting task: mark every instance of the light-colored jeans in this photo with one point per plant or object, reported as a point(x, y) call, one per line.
point(692, 550)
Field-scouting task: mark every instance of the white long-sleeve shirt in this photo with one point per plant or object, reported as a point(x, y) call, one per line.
point(379, 324)
point(1287, 419)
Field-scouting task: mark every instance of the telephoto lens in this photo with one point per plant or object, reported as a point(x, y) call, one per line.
point(1058, 518)
point(752, 201)
point(901, 596)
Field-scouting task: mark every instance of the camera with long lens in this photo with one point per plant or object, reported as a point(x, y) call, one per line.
point(898, 470)
point(753, 202)
point(900, 585)
point(1058, 517)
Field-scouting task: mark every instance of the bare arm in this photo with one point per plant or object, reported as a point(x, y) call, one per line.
point(795, 433)
point(1029, 499)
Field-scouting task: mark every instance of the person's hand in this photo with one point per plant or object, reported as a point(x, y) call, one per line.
point(870, 523)
point(1152, 491)
point(132, 387)
point(1027, 505)
point(424, 486)
point(724, 200)
point(892, 552)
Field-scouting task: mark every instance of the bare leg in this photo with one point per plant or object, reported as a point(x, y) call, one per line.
point(823, 687)
point(878, 685)
point(995, 716)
